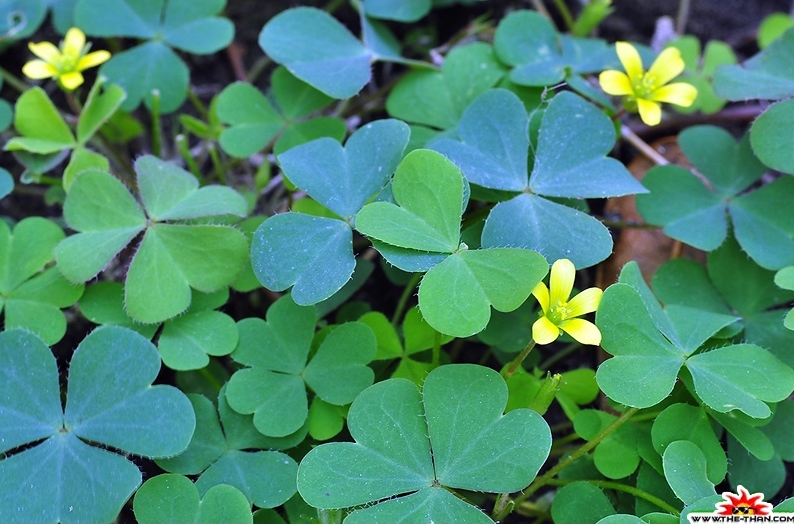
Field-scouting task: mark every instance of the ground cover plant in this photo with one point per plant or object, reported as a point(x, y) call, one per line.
point(392, 270)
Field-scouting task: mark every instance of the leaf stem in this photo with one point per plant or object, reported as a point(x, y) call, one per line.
point(642, 146)
point(617, 486)
point(543, 480)
point(407, 292)
point(13, 81)
point(620, 224)
point(329, 516)
point(157, 130)
point(184, 150)
point(514, 365)
point(559, 355)
point(565, 13)
point(436, 350)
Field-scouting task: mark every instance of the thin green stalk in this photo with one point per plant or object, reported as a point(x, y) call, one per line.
point(565, 440)
point(544, 479)
point(648, 415)
point(258, 68)
point(157, 129)
point(184, 151)
point(617, 486)
point(516, 363)
point(407, 292)
point(436, 350)
point(565, 13)
point(209, 377)
point(74, 104)
point(13, 81)
point(502, 507)
point(106, 148)
point(620, 224)
point(198, 104)
point(333, 5)
point(559, 355)
point(217, 165)
point(330, 516)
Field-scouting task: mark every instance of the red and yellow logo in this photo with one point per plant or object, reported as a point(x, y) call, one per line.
point(742, 503)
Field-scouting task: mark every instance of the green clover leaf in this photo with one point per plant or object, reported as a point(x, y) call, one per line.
point(417, 335)
point(174, 498)
point(732, 284)
point(342, 179)
point(421, 232)
point(63, 478)
point(541, 56)
point(399, 10)
point(395, 426)
point(685, 468)
point(227, 449)
point(44, 130)
point(171, 258)
point(21, 18)
point(767, 75)
point(684, 422)
point(187, 341)
point(648, 355)
point(318, 52)
point(6, 183)
point(492, 153)
point(785, 279)
point(700, 216)
point(700, 70)
point(188, 25)
point(581, 502)
point(273, 386)
point(439, 98)
point(42, 127)
point(617, 455)
point(30, 295)
point(315, 47)
point(254, 121)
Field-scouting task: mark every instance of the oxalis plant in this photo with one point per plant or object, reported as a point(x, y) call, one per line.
point(381, 269)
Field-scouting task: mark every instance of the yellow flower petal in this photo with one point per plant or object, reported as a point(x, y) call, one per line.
point(541, 293)
point(650, 112)
point(667, 66)
point(583, 331)
point(585, 302)
point(544, 331)
point(630, 59)
point(74, 42)
point(71, 81)
point(563, 273)
point(46, 51)
point(680, 93)
point(615, 83)
point(92, 60)
point(38, 69)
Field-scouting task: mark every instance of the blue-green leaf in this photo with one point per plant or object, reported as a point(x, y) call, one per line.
point(318, 49)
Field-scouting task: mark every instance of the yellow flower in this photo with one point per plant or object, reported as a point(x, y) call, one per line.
point(560, 313)
point(644, 91)
point(64, 64)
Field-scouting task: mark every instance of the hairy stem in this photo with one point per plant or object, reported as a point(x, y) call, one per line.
point(516, 363)
point(617, 486)
point(407, 292)
point(544, 479)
